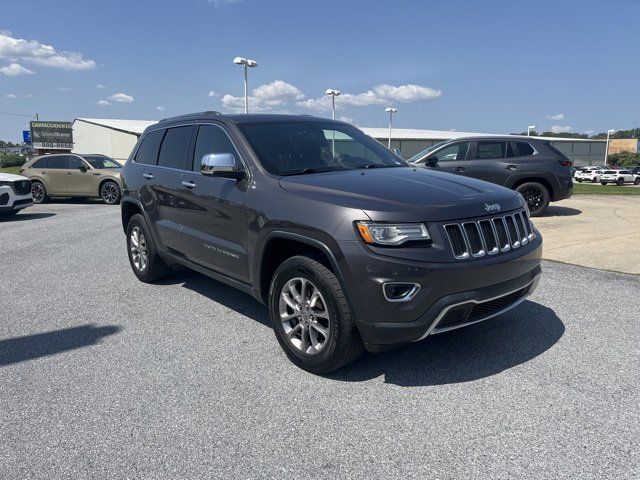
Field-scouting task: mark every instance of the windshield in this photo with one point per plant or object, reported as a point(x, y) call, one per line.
point(98, 161)
point(421, 154)
point(292, 148)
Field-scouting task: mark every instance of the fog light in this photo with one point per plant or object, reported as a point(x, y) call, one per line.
point(400, 291)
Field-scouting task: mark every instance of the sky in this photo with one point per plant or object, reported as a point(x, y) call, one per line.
point(490, 66)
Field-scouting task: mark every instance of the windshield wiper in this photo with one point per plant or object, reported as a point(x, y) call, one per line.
point(306, 171)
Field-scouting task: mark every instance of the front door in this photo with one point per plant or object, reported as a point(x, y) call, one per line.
point(55, 175)
point(80, 180)
point(213, 210)
point(451, 159)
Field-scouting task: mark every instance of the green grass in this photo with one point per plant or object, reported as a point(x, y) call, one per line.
point(15, 170)
point(610, 189)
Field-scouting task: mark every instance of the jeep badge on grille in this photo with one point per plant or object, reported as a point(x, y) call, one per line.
point(492, 207)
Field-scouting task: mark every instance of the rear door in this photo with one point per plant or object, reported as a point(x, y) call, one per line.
point(213, 209)
point(493, 161)
point(452, 159)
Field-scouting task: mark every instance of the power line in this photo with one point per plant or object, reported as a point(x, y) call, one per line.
point(20, 115)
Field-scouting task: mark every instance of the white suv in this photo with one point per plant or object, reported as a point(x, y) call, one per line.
point(619, 177)
point(588, 175)
point(15, 193)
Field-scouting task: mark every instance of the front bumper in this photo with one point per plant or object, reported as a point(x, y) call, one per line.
point(447, 290)
point(10, 201)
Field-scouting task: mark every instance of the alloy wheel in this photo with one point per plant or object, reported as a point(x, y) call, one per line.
point(139, 249)
point(305, 316)
point(109, 192)
point(534, 197)
point(37, 192)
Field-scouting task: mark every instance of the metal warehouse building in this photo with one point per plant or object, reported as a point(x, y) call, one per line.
point(116, 138)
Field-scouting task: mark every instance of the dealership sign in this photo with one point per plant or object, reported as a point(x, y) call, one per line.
point(52, 135)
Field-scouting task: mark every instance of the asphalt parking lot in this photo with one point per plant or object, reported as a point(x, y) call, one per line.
point(103, 376)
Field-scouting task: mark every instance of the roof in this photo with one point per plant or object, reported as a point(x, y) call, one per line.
point(128, 126)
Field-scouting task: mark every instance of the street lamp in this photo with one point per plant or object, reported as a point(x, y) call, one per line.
point(391, 111)
point(606, 153)
point(334, 94)
point(529, 129)
point(246, 63)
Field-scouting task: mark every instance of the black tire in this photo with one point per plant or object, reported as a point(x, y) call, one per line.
point(155, 267)
point(537, 197)
point(38, 192)
point(636, 181)
point(603, 183)
point(344, 343)
point(579, 180)
point(110, 193)
point(594, 180)
point(620, 182)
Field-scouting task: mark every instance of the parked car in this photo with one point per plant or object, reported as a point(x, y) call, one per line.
point(619, 177)
point(532, 167)
point(15, 193)
point(70, 175)
point(347, 244)
point(635, 170)
point(588, 175)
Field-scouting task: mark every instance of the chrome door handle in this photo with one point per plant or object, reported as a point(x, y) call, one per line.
point(189, 184)
point(458, 169)
point(510, 167)
point(148, 176)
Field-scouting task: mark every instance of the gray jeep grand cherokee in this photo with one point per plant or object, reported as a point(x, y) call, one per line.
point(349, 246)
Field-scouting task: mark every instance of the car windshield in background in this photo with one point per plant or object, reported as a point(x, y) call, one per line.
point(294, 148)
point(98, 161)
point(421, 154)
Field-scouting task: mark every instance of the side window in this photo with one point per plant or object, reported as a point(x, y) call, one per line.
point(42, 163)
point(75, 163)
point(58, 162)
point(175, 147)
point(524, 149)
point(212, 139)
point(625, 172)
point(148, 151)
point(490, 150)
point(510, 150)
point(457, 151)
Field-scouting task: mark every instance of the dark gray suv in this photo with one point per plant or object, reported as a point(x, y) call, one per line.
point(533, 167)
point(349, 246)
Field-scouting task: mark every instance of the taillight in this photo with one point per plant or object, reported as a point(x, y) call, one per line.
point(566, 163)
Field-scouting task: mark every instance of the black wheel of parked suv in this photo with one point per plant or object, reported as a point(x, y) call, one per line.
point(310, 316)
point(620, 182)
point(110, 192)
point(38, 192)
point(636, 181)
point(143, 255)
point(537, 197)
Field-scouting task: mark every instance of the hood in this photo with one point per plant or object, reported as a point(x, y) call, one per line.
point(405, 194)
point(10, 177)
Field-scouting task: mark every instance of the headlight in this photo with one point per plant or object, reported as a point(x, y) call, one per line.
point(392, 233)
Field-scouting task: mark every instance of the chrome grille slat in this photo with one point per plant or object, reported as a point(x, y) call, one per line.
point(489, 236)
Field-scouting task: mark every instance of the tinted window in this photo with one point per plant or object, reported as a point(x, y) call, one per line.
point(457, 151)
point(175, 147)
point(524, 149)
point(75, 162)
point(510, 151)
point(148, 151)
point(490, 150)
point(625, 172)
point(98, 161)
point(42, 163)
point(212, 140)
point(60, 161)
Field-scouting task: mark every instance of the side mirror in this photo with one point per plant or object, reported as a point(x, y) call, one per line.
point(220, 165)
point(431, 161)
point(83, 168)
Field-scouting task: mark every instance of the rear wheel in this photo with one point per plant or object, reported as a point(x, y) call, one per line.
point(620, 182)
point(311, 318)
point(145, 261)
point(603, 183)
point(636, 181)
point(537, 197)
point(579, 180)
point(594, 180)
point(110, 192)
point(38, 192)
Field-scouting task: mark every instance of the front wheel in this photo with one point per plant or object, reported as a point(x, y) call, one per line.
point(537, 197)
point(637, 181)
point(311, 318)
point(145, 261)
point(620, 182)
point(603, 183)
point(110, 193)
point(38, 192)
point(594, 180)
point(579, 180)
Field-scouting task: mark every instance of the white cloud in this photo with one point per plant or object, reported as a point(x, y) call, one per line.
point(10, 95)
point(121, 98)
point(347, 119)
point(557, 116)
point(266, 97)
point(27, 95)
point(15, 69)
point(100, 86)
point(32, 51)
point(561, 128)
point(103, 103)
point(220, 3)
point(406, 93)
point(62, 89)
point(212, 94)
point(160, 108)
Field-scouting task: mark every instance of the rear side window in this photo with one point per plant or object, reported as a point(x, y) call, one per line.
point(490, 150)
point(175, 148)
point(42, 163)
point(58, 162)
point(212, 139)
point(148, 151)
point(524, 149)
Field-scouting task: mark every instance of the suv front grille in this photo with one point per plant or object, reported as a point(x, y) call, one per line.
point(489, 236)
point(22, 187)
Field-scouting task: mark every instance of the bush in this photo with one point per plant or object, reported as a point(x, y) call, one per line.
point(11, 160)
point(625, 159)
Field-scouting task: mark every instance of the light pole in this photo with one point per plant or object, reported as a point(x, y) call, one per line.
point(606, 152)
point(245, 62)
point(334, 94)
point(529, 129)
point(391, 111)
